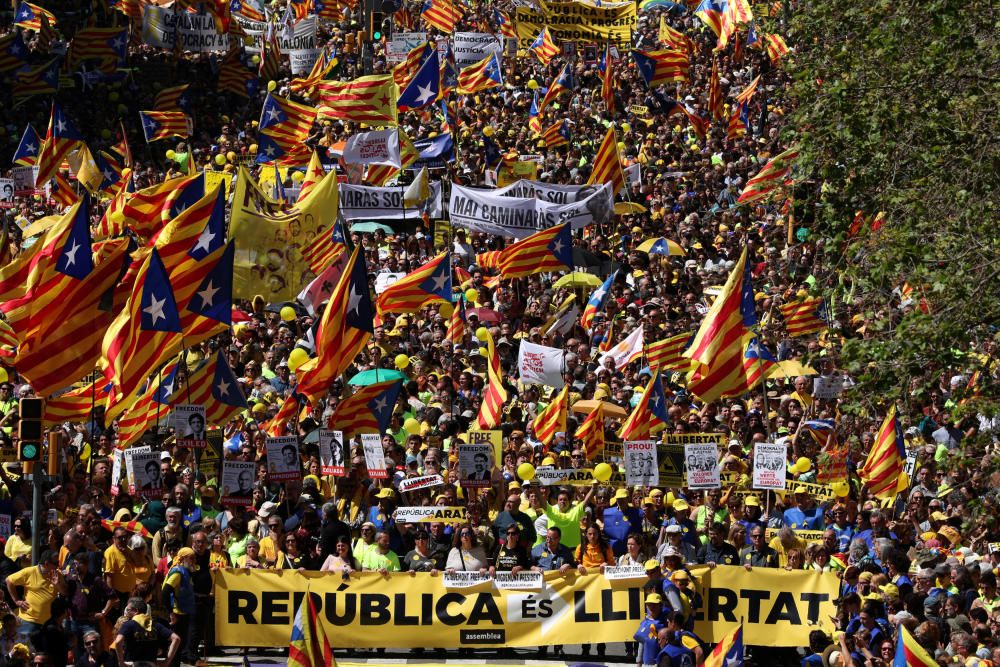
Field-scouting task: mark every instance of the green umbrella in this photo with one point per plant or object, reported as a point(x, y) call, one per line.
point(371, 227)
point(365, 378)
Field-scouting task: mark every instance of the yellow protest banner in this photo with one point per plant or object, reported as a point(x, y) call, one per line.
point(269, 241)
point(577, 22)
point(638, 109)
point(256, 608)
point(215, 178)
point(807, 535)
point(442, 234)
point(511, 172)
point(821, 492)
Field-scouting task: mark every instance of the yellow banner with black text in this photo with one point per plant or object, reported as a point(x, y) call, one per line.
point(577, 22)
point(256, 608)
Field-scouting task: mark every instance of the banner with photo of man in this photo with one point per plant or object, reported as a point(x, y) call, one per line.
point(283, 462)
point(189, 425)
point(475, 465)
point(332, 457)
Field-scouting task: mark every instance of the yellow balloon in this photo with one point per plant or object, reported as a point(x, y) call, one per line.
point(297, 176)
point(526, 471)
point(296, 358)
point(803, 465)
point(105, 133)
point(446, 309)
point(488, 131)
point(626, 128)
point(482, 333)
point(287, 314)
point(602, 472)
point(231, 156)
point(255, 60)
point(411, 426)
point(171, 155)
point(118, 217)
point(402, 361)
point(532, 84)
point(253, 149)
point(3, 374)
point(840, 489)
point(220, 159)
point(271, 85)
point(472, 295)
point(621, 146)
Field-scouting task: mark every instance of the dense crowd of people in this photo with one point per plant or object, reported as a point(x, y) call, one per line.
point(120, 578)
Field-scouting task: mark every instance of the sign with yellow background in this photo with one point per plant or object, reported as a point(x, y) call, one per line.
point(577, 22)
point(367, 610)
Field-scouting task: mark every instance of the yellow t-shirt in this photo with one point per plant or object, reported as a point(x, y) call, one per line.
point(38, 593)
point(268, 550)
point(16, 548)
point(117, 564)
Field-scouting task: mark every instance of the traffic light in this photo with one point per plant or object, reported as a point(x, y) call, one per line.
point(29, 429)
point(375, 27)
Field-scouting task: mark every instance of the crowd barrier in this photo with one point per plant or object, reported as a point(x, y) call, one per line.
point(367, 610)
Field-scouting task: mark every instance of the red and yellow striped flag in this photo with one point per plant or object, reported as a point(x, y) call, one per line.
point(29, 16)
point(715, 92)
point(456, 323)
point(495, 395)
point(884, 464)
point(725, 324)
point(425, 285)
point(367, 410)
point(367, 99)
point(552, 419)
point(544, 47)
point(607, 164)
point(323, 250)
point(548, 250)
point(591, 433)
point(158, 125)
point(770, 178)
point(668, 354)
point(441, 14)
point(804, 316)
point(776, 47)
point(747, 93)
point(214, 385)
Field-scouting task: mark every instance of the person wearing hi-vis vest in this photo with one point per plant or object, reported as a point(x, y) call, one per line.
point(177, 595)
point(8, 408)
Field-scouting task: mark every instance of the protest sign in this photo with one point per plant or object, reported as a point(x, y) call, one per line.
point(538, 364)
point(702, 466)
point(189, 425)
point(422, 482)
point(493, 438)
point(769, 466)
point(24, 180)
point(475, 465)
point(302, 60)
point(283, 463)
point(577, 22)
point(332, 458)
point(430, 514)
point(376, 147)
point(145, 468)
point(211, 456)
point(625, 572)
point(359, 202)
point(374, 455)
point(256, 608)
point(302, 36)
point(7, 187)
point(471, 47)
point(522, 581)
point(461, 579)
point(671, 463)
point(828, 387)
point(117, 467)
point(397, 48)
point(237, 482)
point(640, 463)
point(173, 28)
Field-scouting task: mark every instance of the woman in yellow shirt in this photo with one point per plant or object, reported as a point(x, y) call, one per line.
point(595, 553)
point(19, 543)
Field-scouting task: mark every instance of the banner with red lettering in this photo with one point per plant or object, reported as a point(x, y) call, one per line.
point(538, 364)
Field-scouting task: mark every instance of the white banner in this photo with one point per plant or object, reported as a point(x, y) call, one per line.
point(640, 463)
point(549, 476)
point(385, 280)
point(625, 350)
point(486, 211)
point(518, 210)
point(702, 461)
point(302, 60)
point(769, 466)
point(471, 47)
point(538, 364)
point(378, 147)
point(374, 456)
point(303, 37)
point(418, 483)
point(362, 202)
point(401, 44)
point(464, 579)
point(522, 581)
point(430, 514)
point(624, 572)
point(164, 28)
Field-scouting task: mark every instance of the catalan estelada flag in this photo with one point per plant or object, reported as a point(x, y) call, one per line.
point(158, 125)
point(563, 82)
point(344, 329)
point(804, 316)
point(42, 80)
point(29, 16)
point(106, 46)
point(668, 354)
point(308, 645)
point(485, 74)
point(456, 323)
point(598, 299)
point(425, 285)
point(882, 468)
point(213, 385)
point(151, 407)
point(494, 395)
point(175, 98)
point(504, 23)
point(658, 68)
point(728, 652)
point(367, 410)
point(650, 413)
point(715, 92)
point(710, 12)
point(731, 316)
point(441, 14)
point(367, 99)
point(608, 164)
point(287, 123)
point(406, 70)
point(548, 250)
point(270, 56)
point(738, 123)
point(608, 80)
point(556, 134)
point(323, 249)
point(770, 178)
point(235, 77)
point(61, 139)
point(591, 433)
point(909, 653)
point(544, 47)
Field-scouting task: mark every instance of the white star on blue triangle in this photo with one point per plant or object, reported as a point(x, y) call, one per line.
point(76, 259)
point(225, 388)
point(438, 282)
point(158, 306)
point(383, 404)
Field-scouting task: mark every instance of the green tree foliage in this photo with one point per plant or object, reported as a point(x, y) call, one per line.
point(896, 110)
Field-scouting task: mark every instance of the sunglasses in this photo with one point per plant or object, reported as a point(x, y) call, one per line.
point(466, 533)
point(513, 533)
